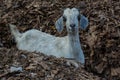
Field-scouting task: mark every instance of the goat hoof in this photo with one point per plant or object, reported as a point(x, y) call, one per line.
point(74, 63)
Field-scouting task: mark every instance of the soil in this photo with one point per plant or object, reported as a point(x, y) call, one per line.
point(100, 41)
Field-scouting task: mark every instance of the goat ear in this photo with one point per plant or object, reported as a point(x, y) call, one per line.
point(83, 22)
point(59, 24)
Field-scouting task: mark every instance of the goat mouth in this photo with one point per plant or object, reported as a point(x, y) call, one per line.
point(72, 30)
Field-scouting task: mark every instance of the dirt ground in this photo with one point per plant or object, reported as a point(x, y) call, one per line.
point(100, 41)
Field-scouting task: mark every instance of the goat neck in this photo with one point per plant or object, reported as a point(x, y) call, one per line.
point(74, 43)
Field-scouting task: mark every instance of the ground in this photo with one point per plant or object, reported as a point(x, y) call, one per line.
point(100, 41)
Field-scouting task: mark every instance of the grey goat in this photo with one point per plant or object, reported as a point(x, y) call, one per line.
point(67, 47)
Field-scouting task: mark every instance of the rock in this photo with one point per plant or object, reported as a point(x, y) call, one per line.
point(16, 69)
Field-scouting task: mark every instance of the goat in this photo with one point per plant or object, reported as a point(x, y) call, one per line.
point(67, 47)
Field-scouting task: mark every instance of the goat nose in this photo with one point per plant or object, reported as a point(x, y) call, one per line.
point(72, 25)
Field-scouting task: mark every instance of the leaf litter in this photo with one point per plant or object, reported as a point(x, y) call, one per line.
point(100, 42)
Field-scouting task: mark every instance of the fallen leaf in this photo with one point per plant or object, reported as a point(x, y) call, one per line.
point(31, 66)
point(114, 72)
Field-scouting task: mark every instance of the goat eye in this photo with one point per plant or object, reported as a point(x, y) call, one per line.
point(79, 17)
point(64, 19)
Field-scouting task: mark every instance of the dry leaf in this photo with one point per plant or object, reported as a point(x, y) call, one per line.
point(114, 72)
point(100, 67)
point(44, 66)
point(31, 66)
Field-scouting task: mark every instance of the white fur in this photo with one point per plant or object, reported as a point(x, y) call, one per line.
point(67, 47)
